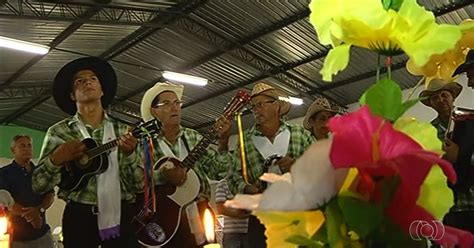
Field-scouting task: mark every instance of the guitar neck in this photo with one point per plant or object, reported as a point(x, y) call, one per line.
point(96, 151)
point(198, 151)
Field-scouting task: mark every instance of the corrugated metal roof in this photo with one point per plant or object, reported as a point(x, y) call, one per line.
point(233, 43)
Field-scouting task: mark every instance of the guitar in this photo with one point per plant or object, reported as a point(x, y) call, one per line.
point(158, 228)
point(76, 173)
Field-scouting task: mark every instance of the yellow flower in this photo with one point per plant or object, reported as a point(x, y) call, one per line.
point(365, 23)
point(281, 225)
point(443, 65)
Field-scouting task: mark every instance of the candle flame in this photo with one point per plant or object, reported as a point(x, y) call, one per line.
point(209, 226)
point(3, 225)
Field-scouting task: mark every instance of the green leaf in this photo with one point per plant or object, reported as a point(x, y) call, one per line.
point(321, 235)
point(384, 99)
point(390, 235)
point(392, 4)
point(361, 216)
point(304, 241)
point(334, 222)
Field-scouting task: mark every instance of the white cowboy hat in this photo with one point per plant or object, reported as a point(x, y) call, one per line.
point(270, 91)
point(149, 96)
point(437, 85)
point(318, 105)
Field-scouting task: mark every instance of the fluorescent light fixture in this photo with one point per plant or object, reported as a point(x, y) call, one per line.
point(292, 100)
point(23, 45)
point(183, 78)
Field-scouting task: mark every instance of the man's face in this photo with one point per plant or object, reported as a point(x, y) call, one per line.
point(442, 101)
point(319, 123)
point(86, 87)
point(265, 109)
point(168, 108)
point(22, 149)
point(470, 77)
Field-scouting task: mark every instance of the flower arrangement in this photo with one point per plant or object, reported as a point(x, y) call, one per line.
point(380, 172)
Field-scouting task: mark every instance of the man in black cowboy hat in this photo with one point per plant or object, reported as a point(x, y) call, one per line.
point(468, 68)
point(99, 213)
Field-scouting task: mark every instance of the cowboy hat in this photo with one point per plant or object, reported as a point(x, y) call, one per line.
point(272, 92)
point(467, 64)
point(62, 85)
point(318, 105)
point(437, 85)
point(150, 94)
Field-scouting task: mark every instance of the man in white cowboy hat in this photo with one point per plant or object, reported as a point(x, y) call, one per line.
point(163, 101)
point(317, 117)
point(100, 211)
point(270, 145)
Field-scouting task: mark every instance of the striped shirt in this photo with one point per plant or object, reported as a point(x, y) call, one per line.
point(300, 140)
point(48, 175)
point(231, 225)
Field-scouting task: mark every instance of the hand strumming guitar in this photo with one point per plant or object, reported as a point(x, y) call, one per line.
point(68, 151)
point(451, 150)
point(175, 176)
point(127, 143)
point(33, 216)
point(251, 189)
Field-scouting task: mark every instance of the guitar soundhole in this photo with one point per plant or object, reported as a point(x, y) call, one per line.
point(155, 232)
point(84, 161)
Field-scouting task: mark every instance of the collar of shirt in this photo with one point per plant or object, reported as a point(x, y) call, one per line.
point(77, 118)
point(256, 132)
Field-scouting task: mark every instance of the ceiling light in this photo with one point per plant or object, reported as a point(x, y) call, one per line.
point(183, 78)
point(292, 100)
point(23, 45)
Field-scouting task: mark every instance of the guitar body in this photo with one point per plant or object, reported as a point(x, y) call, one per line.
point(170, 205)
point(76, 173)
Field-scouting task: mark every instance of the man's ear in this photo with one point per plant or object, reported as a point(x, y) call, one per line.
point(72, 96)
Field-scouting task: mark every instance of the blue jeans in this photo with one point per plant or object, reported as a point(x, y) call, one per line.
point(235, 240)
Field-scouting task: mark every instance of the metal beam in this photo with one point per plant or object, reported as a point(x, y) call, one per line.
point(74, 12)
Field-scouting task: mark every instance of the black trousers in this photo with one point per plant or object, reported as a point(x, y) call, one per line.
point(80, 228)
point(256, 233)
point(463, 220)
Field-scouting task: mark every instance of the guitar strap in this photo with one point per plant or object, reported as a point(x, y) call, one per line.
point(108, 187)
point(182, 151)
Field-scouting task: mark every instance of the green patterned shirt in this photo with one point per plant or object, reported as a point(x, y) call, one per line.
point(212, 165)
point(300, 140)
point(47, 175)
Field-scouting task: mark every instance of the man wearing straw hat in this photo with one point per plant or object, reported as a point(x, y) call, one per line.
point(270, 145)
point(317, 117)
point(163, 101)
point(100, 212)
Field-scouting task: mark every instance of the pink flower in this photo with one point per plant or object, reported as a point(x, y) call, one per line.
point(370, 144)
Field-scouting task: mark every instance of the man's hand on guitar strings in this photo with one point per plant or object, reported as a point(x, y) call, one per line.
point(175, 176)
point(127, 143)
point(67, 152)
point(222, 127)
point(451, 150)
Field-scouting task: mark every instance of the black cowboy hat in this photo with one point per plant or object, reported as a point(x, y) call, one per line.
point(467, 64)
point(62, 85)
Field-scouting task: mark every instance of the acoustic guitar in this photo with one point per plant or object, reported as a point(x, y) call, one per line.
point(158, 228)
point(76, 173)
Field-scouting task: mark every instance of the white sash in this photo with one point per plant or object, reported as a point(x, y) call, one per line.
point(108, 188)
point(278, 147)
point(183, 152)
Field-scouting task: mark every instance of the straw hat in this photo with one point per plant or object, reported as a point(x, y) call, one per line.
point(149, 96)
point(270, 91)
point(437, 85)
point(318, 105)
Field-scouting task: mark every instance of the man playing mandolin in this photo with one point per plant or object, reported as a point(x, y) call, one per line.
point(163, 102)
point(100, 209)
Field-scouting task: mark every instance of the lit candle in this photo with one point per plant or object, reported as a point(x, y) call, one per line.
point(4, 236)
point(209, 230)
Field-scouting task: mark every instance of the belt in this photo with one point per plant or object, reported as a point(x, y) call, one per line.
point(94, 209)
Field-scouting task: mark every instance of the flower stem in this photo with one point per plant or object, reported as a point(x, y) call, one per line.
point(416, 87)
point(378, 68)
point(388, 63)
